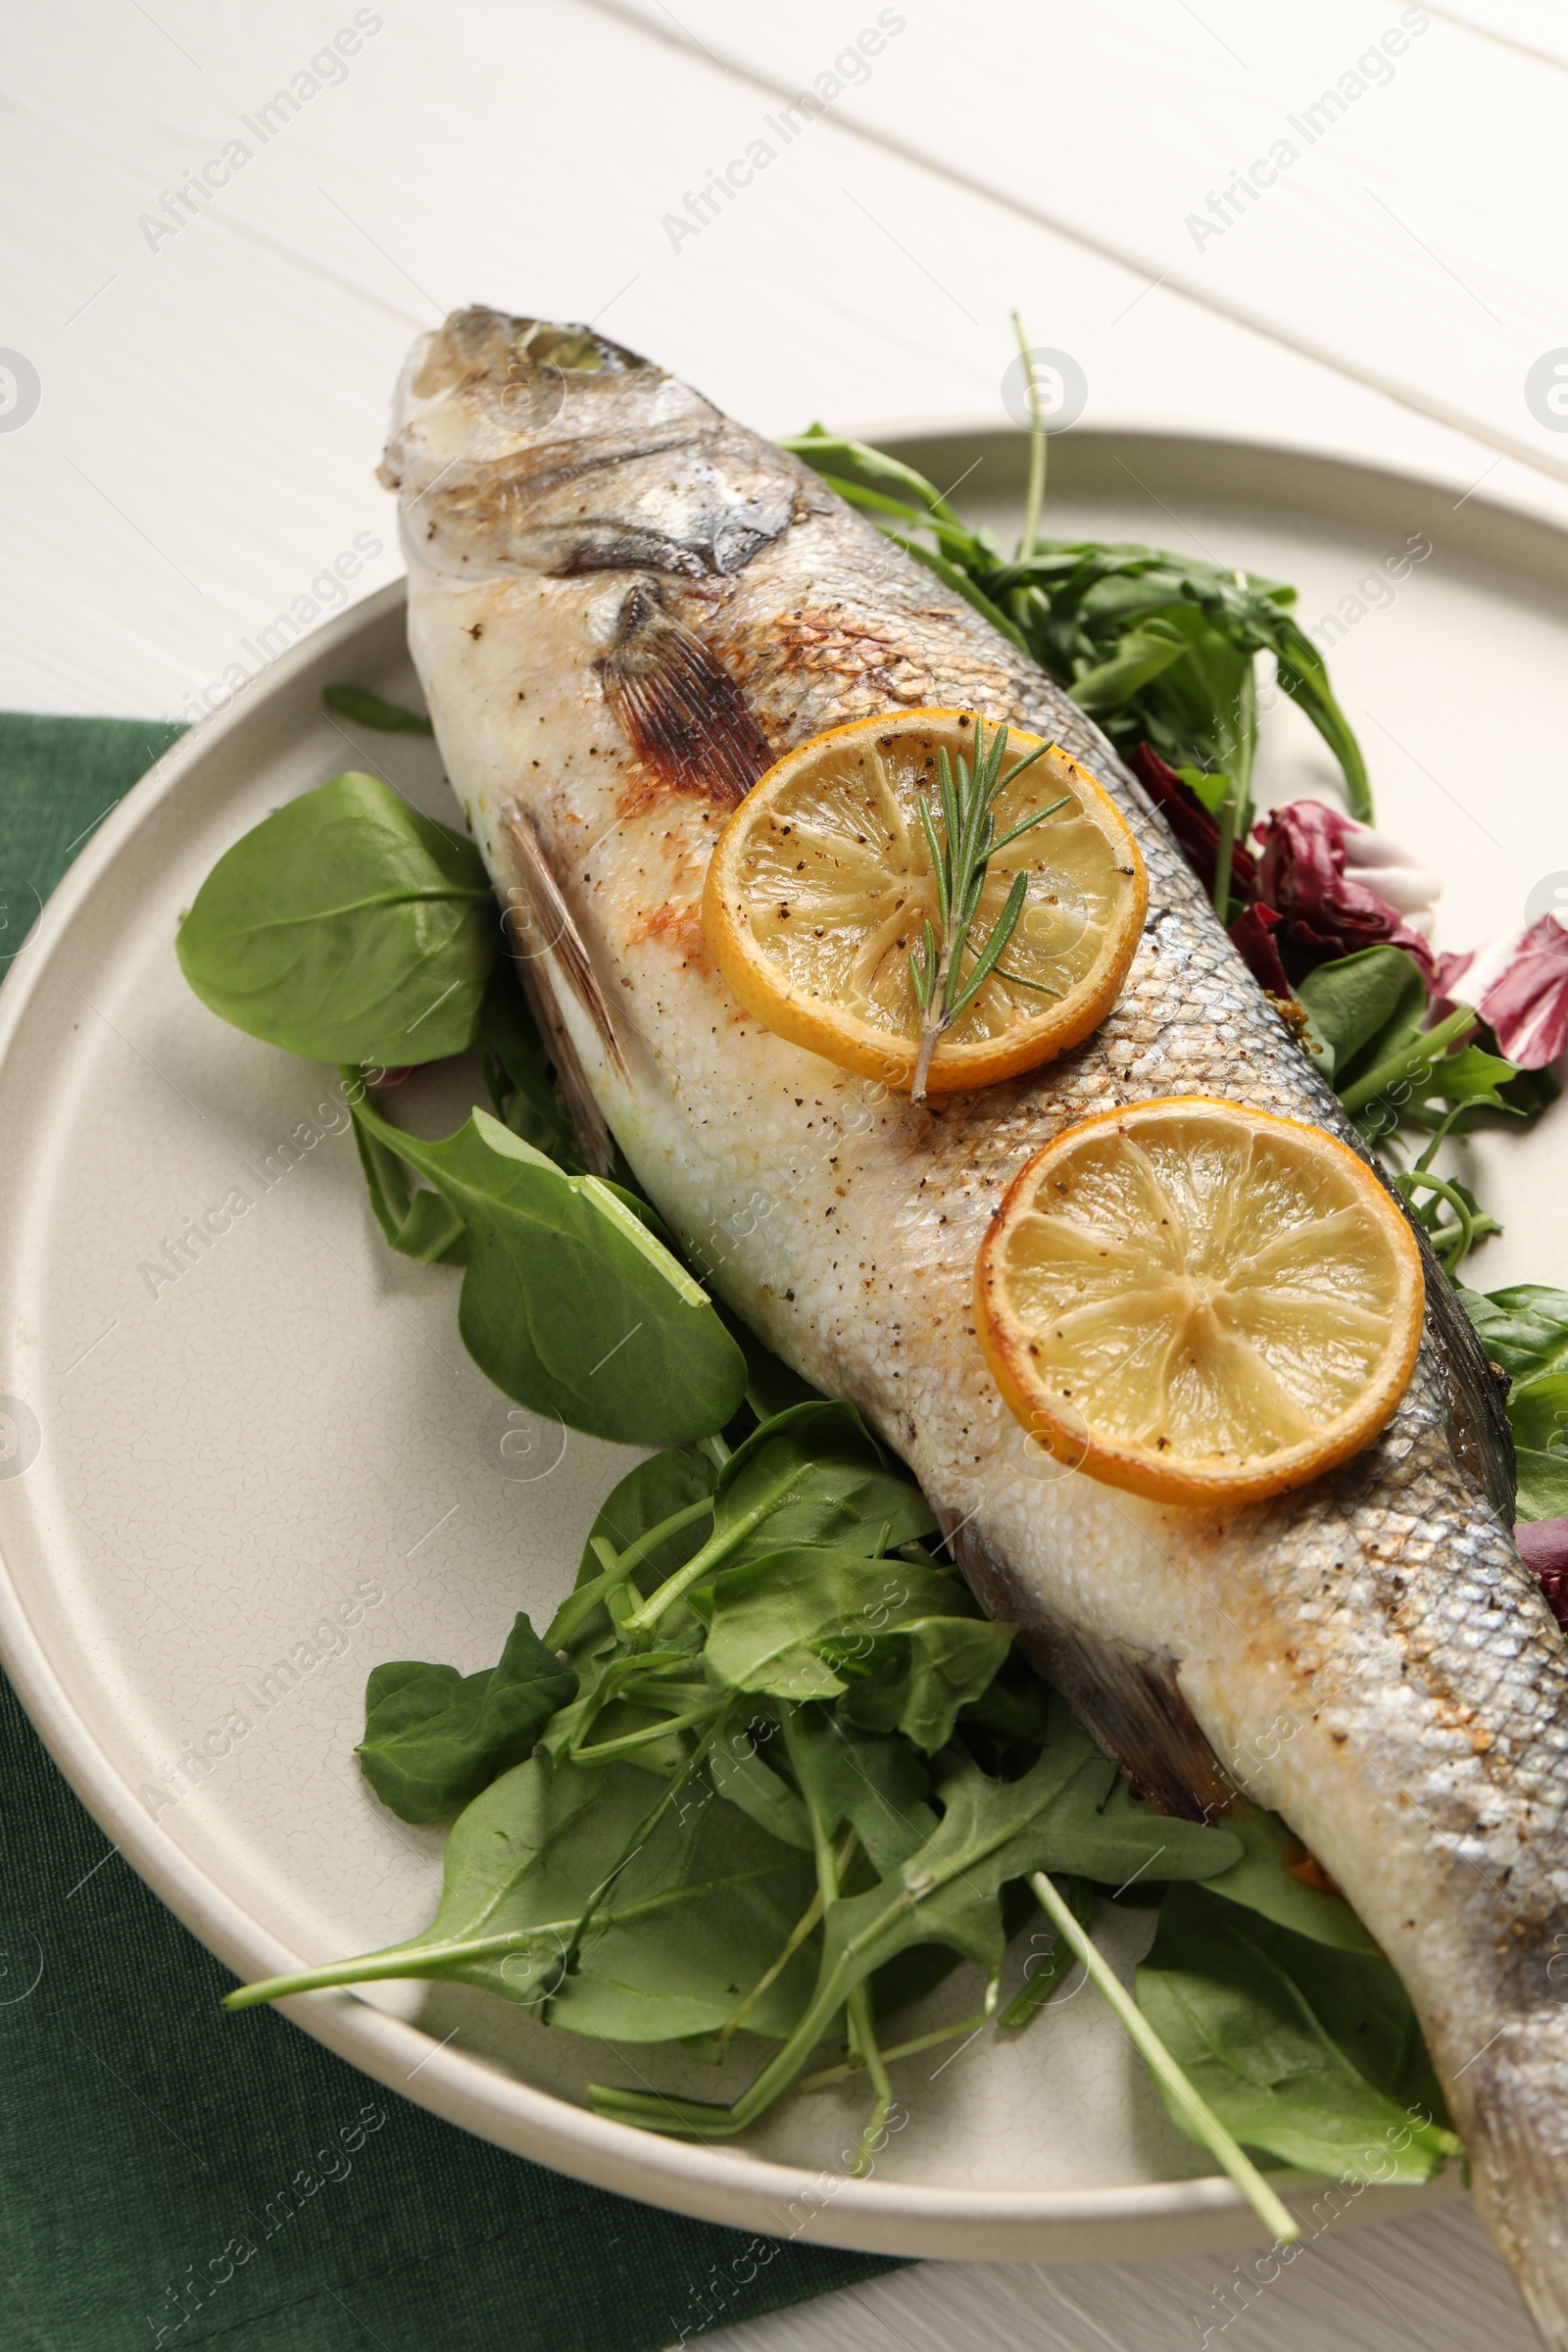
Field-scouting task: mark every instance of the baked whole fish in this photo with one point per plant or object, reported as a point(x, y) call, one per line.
point(622, 606)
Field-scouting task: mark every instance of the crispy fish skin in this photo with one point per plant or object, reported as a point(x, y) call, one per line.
point(622, 605)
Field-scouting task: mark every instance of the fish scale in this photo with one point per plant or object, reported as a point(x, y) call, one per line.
point(619, 612)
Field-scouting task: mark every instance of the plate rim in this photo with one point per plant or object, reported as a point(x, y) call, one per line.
point(725, 2186)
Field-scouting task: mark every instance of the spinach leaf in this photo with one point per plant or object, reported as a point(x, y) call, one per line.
point(873, 1783)
point(1539, 1412)
point(700, 1912)
point(368, 710)
point(1524, 1328)
point(739, 1774)
point(1542, 1492)
point(346, 927)
point(919, 1673)
point(800, 1622)
point(1099, 1829)
point(771, 1387)
point(520, 1074)
point(434, 1738)
point(811, 1475)
point(521, 1862)
point(1355, 1002)
point(1260, 1882)
point(646, 1529)
point(605, 1904)
point(569, 1305)
point(416, 1222)
point(638, 1705)
point(1242, 2006)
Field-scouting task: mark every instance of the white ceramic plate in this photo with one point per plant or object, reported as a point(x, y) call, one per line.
point(239, 1483)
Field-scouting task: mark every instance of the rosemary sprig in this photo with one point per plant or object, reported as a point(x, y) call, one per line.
point(960, 860)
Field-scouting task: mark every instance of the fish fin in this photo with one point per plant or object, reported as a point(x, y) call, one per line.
point(678, 706)
point(1129, 1700)
point(550, 958)
point(1131, 1704)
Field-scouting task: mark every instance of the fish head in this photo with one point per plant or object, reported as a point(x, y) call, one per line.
point(533, 445)
point(486, 387)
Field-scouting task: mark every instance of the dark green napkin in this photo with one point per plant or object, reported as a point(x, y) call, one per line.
point(173, 2176)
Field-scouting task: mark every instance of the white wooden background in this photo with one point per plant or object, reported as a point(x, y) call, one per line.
point(209, 405)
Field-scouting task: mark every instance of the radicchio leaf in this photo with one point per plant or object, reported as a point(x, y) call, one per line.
point(1519, 986)
point(1542, 1546)
point(1251, 935)
point(1326, 912)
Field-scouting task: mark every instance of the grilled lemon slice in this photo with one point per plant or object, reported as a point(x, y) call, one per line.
point(1198, 1302)
point(823, 883)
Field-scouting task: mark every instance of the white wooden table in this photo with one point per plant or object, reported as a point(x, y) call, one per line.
point(1339, 225)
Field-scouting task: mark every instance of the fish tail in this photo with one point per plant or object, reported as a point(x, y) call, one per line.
point(1516, 2138)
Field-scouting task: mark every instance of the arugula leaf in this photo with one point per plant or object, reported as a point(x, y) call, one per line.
point(947, 1891)
point(1244, 2007)
point(1163, 645)
point(569, 1303)
point(938, 1884)
point(346, 927)
point(815, 1475)
point(1365, 1014)
point(1139, 658)
point(1047, 1972)
point(369, 709)
point(1471, 1077)
point(434, 1738)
